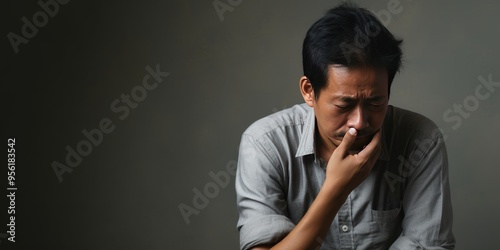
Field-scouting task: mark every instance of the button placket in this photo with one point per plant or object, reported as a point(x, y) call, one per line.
point(345, 225)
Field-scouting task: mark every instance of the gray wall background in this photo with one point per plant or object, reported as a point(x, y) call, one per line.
point(224, 74)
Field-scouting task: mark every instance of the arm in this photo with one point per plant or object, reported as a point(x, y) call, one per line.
point(344, 173)
point(427, 204)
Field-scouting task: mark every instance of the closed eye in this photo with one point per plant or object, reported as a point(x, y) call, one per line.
point(344, 107)
point(376, 106)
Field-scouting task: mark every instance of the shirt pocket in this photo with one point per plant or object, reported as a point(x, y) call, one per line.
point(385, 227)
point(385, 215)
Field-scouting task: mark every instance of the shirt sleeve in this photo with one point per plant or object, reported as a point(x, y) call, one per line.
point(261, 202)
point(428, 217)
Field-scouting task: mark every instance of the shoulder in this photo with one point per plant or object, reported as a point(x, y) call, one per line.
point(280, 122)
point(410, 132)
point(411, 123)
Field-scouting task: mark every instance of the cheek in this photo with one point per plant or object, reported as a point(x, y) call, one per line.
point(328, 120)
point(335, 122)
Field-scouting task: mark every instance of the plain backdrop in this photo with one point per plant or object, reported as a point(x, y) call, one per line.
point(225, 72)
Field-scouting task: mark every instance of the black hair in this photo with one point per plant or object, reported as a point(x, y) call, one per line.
point(349, 36)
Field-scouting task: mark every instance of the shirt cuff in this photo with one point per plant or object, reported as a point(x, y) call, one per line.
point(268, 229)
point(405, 243)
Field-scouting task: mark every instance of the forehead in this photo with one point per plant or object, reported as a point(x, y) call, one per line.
point(355, 81)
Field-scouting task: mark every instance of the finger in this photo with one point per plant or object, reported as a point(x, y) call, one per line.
point(373, 148)
point(347, 141)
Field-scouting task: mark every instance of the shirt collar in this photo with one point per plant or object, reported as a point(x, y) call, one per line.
point(307, 146)
point(306, 143)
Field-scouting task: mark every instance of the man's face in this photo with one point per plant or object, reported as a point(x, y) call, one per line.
point(352, 98)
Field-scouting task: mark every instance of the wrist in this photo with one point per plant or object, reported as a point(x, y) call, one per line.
point(336, 189)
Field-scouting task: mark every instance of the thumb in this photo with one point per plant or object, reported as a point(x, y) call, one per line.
point(347, 141)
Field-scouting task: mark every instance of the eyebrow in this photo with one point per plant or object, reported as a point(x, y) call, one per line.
point(346, 98)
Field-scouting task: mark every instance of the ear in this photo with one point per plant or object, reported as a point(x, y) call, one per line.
point(307, 91)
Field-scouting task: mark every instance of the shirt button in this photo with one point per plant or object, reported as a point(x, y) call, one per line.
point(345, 228)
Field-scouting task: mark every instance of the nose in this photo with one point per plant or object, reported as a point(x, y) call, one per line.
point(358, 118)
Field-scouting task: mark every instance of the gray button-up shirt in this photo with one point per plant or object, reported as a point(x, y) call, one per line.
point(403, 204)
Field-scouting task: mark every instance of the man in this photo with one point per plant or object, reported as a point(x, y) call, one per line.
point(345, 170)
